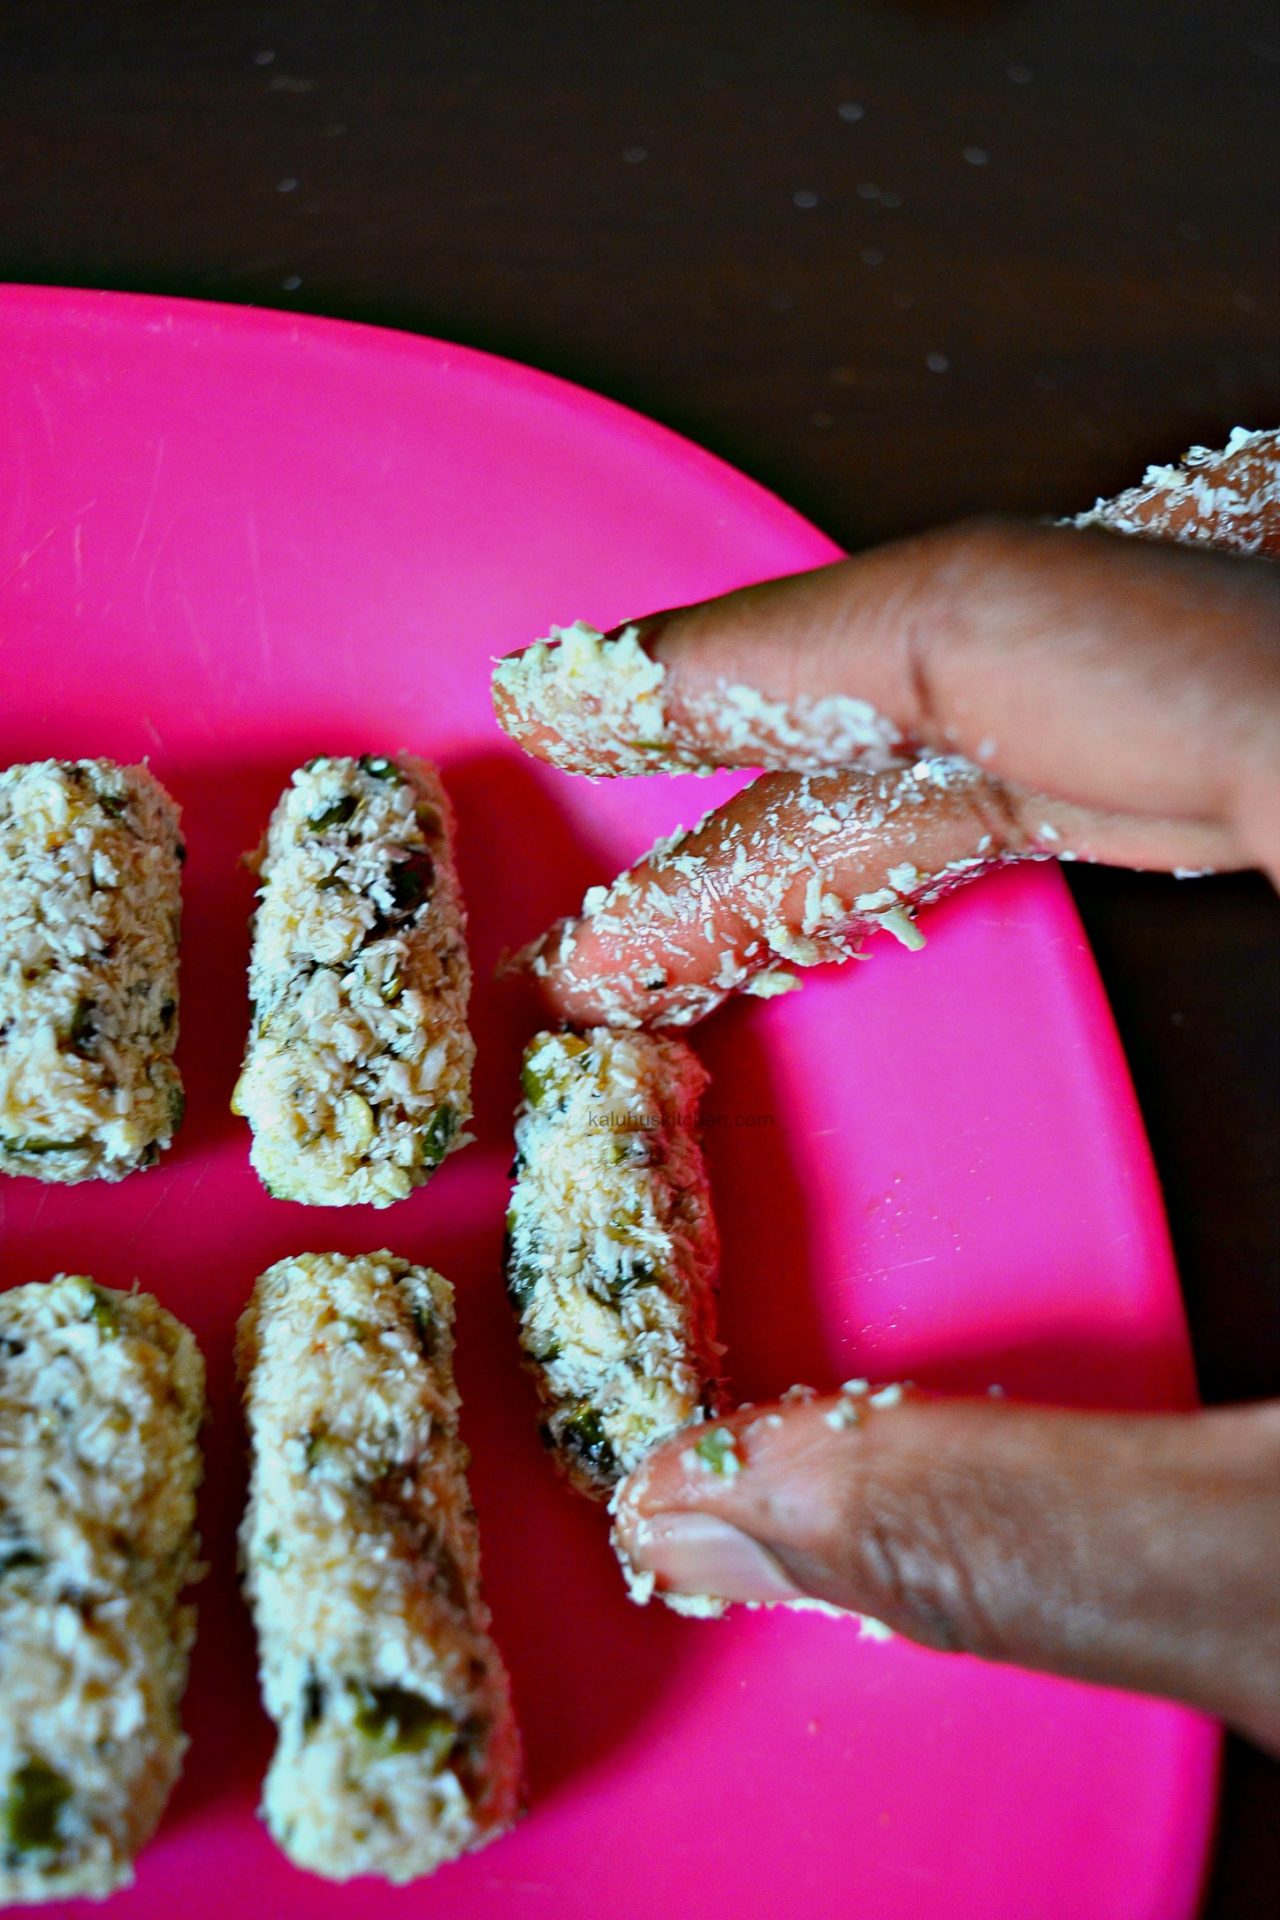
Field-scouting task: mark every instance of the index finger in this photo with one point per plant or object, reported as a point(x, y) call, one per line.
point(993, 641)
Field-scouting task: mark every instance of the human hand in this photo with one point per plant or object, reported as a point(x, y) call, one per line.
point(1114, 700)
point(1133, 1550)
point(1077, 695)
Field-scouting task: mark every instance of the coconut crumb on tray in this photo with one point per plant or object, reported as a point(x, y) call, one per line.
point(357, 1077)
point(90, 865)
point(397, 1746)
point(101, 1404)
point(612, 1248)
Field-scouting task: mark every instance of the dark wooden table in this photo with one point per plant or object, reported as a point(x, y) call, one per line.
point(898, 262)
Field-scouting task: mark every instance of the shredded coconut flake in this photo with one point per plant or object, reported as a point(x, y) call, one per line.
point(1237, 511)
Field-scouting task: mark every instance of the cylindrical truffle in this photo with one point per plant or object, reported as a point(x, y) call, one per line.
point(90, 857)
point(398, 1747)
point(357, 1078)
point(612, 1249)
point(101, 1400)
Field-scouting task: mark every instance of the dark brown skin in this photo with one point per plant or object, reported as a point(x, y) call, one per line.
point(1132, 693)
point(1138, 1551)
point(1125, 694)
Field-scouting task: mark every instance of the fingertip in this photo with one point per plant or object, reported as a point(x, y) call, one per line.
point(513, 689)
point(586, 701)
point(529, 733)
point(746, 1507)
point(547, 968)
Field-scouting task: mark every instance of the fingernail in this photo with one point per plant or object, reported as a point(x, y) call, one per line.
point(695, 1553)
point(646, 629)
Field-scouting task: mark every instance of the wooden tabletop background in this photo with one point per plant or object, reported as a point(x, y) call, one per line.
point(899, 262)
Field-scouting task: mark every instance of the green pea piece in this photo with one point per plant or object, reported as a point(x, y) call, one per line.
point(403, 1722)
point(33, 1808)
point(522, 1280)
point(336, 814)
point(584, 1432)
point(274, 1552)
point(438, 1135)
point(319, 1448)
point(424, 1327)
point(537, 1081)
point(378, 767)
point(533, 1084)
point(30, 1144)
point(103, 1313)
point(716, 1447)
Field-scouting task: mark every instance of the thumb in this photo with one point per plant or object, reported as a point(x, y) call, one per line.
point(1137, 1551)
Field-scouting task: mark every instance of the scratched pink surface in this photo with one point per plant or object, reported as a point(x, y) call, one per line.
point(229, 540)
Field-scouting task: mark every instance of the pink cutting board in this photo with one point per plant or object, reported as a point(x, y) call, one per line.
point(232, 539)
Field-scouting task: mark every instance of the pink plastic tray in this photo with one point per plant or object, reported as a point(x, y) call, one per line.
point(231, 539)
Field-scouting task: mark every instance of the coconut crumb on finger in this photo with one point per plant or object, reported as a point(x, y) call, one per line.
point(1228, 499)
point(799, 868)
point(803, 865)
point(586, 701)
point(357, 1076)
point(698, 1477)
point(101, 1403)
point(90, 904)
point(605, 703)
point(599, 703)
